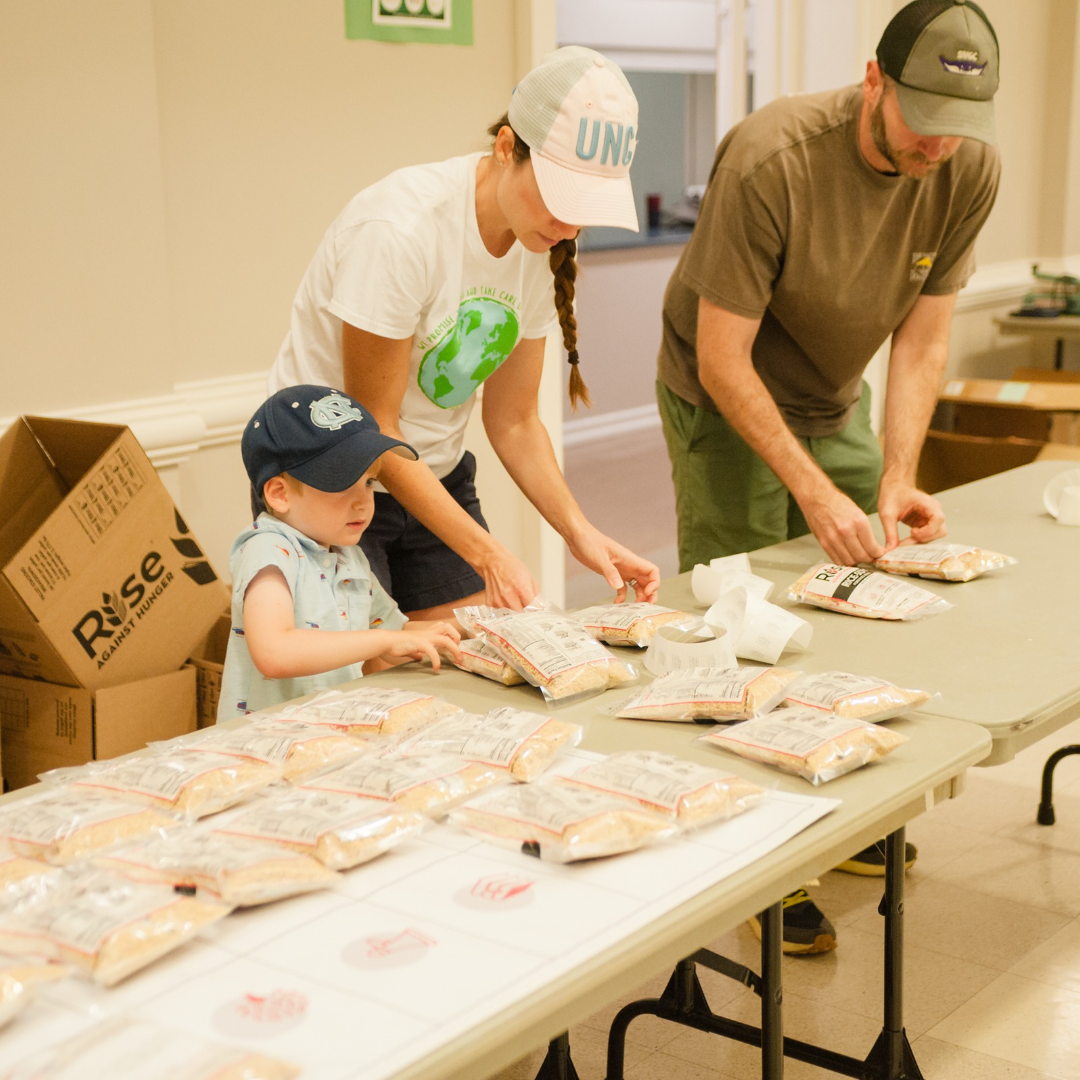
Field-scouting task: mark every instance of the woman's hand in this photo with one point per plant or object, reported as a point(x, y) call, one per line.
point(507, 581)
point(617, 565)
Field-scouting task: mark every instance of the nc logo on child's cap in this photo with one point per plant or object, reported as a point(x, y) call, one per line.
point(333, 412)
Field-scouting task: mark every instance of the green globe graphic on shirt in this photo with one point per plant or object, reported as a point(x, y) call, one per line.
point(484, 335)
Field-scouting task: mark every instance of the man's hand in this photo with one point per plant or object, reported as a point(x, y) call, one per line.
point(840, 527)
point(922, 513)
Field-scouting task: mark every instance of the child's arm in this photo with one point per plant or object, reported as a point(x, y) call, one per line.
point(282, 650)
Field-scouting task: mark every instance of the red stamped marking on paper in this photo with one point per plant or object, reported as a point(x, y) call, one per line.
point(382, 951)
point(261, 1015)
point(499, 892)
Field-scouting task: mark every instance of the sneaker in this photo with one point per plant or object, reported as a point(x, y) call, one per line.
point(870, 862)
point(806, 930)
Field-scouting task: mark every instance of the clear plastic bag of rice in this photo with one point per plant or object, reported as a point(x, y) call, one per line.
point(18, 980)
point(370, 710)
point(341, 831)
point(63, 824)
point(856, 697)
point(299, 750)
point(691, 795)
point(631, 624)
point(523, 742)
point(431, 784)
point(15, 870)
point(865, 593)
point(481, 659)
point(551, 650)
point(561, 822)
point(129, 1049)
point(696, 694)
point(942, 562)
point(238, 871)
point(103, 926)
point(185, 781)
point(815, 745)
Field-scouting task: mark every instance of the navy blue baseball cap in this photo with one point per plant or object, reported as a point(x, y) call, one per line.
point(318, 435)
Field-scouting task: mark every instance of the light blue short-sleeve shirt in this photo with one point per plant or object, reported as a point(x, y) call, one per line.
point(332, 589)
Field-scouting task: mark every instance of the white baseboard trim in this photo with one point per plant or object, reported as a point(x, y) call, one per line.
point(587, 429)
point(195, 416)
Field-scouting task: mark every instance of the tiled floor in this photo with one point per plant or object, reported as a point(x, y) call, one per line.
point(992, 976)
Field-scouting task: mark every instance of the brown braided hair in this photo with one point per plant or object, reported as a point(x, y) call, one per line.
point(562, 260)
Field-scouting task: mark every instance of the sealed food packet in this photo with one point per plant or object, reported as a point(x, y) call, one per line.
point(60, 825)
point(239, 871)
point(184, 781)
point(942, 562)
point(431, 784)
point(341, 831)
point(127, 1049)
point(631, 624)
point(300, 751)
point(16, 870)
point(857, 697)
point(370, 710)
point(561, 822)
point(481, 659)
point(709, 694)
point(691, 795)
point(105, 927)
point(18, 982)
point(854, 591)
point(815, 745)
point(525, 743)
point(551, 650)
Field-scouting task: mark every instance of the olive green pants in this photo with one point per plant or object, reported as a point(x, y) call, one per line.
point(728, 500)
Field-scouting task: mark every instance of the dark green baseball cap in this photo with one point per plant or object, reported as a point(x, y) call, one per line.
point(943, 57)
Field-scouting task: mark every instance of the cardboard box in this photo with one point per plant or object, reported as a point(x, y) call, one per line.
point(208, 660)
point(44, 726)
point(1044, 411)
point(101, 581)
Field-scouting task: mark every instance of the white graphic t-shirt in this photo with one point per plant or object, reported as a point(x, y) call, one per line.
point(405, 258)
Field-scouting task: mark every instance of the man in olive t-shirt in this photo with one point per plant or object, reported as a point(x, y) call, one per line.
point(830, 221)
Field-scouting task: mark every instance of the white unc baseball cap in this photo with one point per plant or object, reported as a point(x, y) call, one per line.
point(579, 117)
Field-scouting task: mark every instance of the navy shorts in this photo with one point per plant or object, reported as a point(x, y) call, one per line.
point(412, 564)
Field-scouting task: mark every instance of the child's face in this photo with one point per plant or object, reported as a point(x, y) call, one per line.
point(332, 518)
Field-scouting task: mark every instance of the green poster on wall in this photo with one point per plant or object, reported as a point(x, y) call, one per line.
point(445, 22)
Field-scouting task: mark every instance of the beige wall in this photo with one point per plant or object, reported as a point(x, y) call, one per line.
point(169, 167)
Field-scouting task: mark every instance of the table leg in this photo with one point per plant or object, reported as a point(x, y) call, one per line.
point(558, 1065)
point(1059, 354)
point(772, 993)
point(1045, 815)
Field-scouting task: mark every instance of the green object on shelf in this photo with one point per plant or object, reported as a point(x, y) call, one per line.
point(1054, 294)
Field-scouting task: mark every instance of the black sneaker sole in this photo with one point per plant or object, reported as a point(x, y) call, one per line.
point(822, 943)
point(874, 869)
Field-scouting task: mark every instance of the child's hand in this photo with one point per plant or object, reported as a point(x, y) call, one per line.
point(417, 640)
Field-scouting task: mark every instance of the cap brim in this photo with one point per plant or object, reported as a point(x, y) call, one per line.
point(344, 463)
point(939, 114)
point(578, 198)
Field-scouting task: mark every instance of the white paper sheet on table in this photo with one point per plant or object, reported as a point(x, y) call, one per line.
point(421, 945)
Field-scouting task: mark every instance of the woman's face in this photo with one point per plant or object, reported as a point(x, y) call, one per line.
point(523, 207)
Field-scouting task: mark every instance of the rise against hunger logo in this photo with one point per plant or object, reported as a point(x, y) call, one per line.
point(104, 629)
point(476, 343)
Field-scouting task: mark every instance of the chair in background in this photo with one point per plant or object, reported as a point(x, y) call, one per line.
point(950, 459)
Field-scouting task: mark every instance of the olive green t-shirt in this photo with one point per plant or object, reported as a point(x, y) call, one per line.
point(797, 229)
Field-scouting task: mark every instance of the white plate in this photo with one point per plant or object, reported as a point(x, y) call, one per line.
point(1052, 494)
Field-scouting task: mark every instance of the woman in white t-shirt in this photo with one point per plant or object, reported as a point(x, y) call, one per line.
point(443, 277)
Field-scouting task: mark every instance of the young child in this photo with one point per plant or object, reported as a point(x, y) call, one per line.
point(306, 611)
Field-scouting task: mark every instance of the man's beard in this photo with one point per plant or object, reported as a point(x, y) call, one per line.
point(901, 160)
